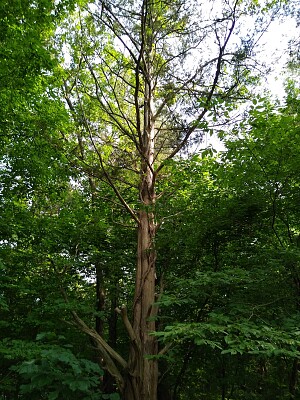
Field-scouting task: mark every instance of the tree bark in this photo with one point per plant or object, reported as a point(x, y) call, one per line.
point(108, 381)
point(293, 379)
point(143, 372)
point(100, 298)
point(143, 369)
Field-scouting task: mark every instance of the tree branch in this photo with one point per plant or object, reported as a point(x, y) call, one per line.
point(107, 352)
point(123, 312)
point(192, 128)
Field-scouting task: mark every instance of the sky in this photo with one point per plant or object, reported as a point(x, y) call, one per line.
point(275, 44)
point(273, 49)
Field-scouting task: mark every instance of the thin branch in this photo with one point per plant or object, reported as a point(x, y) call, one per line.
point(110, 24)
point(112, 185)
point(107, 107)
point(107, 176)
point(122, 115)
point(165, 349)
point(192, 128)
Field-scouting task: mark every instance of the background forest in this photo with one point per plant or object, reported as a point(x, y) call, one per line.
point(136, 262)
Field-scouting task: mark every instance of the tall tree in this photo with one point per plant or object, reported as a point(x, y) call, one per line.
point(141, 79)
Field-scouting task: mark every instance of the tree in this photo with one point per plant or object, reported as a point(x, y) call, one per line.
point(140, 85)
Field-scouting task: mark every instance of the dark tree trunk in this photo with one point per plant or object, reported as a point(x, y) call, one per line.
point(293, 379)
point(109, 385)
point(100, 299)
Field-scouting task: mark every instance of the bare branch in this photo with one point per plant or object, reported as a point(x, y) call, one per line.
point(123, 312)
point(112, 185)
point(193, 127)
point(107, 352)
point(105, 347)
point(165, 349)
point(112, 19)
point(107, 176)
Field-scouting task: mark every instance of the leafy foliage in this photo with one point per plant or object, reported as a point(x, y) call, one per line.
point(58, 373)
point(227, 241)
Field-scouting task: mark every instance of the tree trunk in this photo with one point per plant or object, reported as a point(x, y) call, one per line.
point(143, 370)
point(100, 298)
point(293, 379)
point(108, 381)
point(142, 378)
